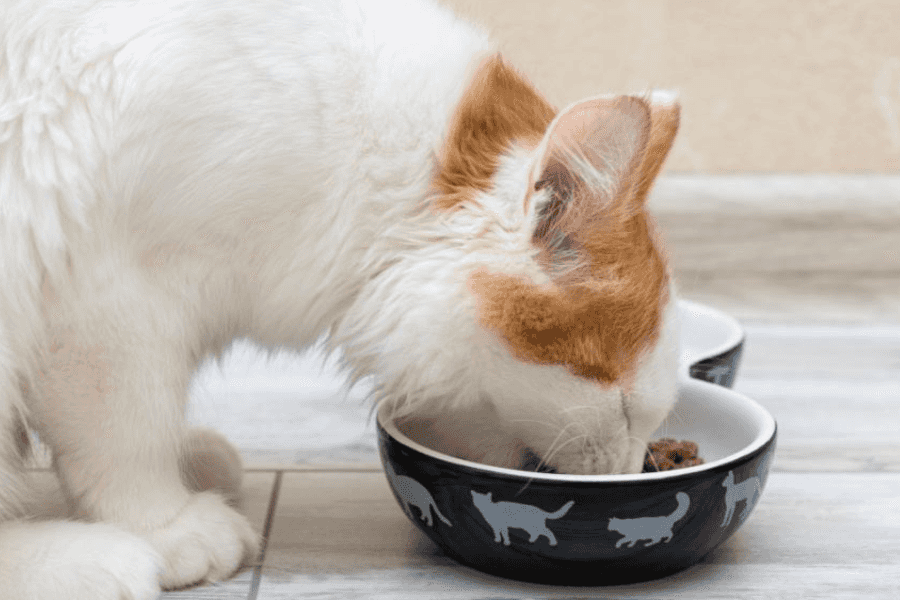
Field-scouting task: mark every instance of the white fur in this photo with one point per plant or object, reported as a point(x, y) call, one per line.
point(58, 559)
point(177, 174)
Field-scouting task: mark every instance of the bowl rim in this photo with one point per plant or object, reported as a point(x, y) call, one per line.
point(735, 338)
point(764, 436)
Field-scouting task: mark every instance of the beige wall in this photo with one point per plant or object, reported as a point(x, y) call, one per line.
point(766, 86)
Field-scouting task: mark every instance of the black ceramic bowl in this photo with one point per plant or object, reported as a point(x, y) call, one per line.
point(593, 529)
point(711, 343)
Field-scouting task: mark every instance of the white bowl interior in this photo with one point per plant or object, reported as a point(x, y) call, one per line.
point(725, 425)
point(722, 422)
point(705, 332)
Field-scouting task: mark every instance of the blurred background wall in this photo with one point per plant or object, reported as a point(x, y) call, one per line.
point(766, 86)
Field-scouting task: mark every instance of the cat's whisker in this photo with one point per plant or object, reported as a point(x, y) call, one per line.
point(554, 448)
point(674, 414)
point(678, 416)
point(637, 439)
point(535, 421)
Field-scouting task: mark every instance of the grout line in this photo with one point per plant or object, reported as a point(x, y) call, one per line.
point(264, 543)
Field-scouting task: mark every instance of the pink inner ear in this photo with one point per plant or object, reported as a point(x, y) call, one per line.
point(590, 159)
point(599, 142)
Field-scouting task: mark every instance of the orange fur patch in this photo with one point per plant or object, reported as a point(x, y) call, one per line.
point(664, 121)
point(499, 108)
point(599, 322)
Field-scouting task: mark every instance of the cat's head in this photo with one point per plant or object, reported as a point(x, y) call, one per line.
point(539, 293)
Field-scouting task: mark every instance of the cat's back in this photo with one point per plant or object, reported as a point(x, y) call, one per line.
point(147, 97)
point(141, 121)
point(135, 54)
point(143, 52)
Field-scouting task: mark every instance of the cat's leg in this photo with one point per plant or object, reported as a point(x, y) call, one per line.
point(745, 510)
point(14, 490)
point(550, 537)
point(497, 537)
point(75, 561)
point(110, 403)
point(210, 462)
point(504, 534)
point(60, 559)
point(754, 496)
point(729, 510)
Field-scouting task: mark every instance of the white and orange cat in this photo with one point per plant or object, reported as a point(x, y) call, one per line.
point(177, 174)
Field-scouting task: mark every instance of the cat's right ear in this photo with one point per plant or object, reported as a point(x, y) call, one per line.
point(596, 164)
point(588, 159)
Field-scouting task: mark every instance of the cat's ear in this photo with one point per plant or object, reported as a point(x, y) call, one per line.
point(597, 162)
point(595, 240)
point(500, 108)
point(665, 116)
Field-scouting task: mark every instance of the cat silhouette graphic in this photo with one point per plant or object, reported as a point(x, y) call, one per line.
point(502, 516)
point(414, 493)
point(763, 465)
point(747, 490)
point(653, 529)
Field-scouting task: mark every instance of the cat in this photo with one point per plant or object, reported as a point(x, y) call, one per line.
point(748, 490)
point(501, 516)
point(178, 174)
point(415, 494)
point(653, 529)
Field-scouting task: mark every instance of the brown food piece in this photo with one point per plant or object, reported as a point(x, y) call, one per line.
point(666, 454)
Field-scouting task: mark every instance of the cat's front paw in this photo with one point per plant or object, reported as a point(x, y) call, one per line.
point(75, 561)
point(208, 541)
